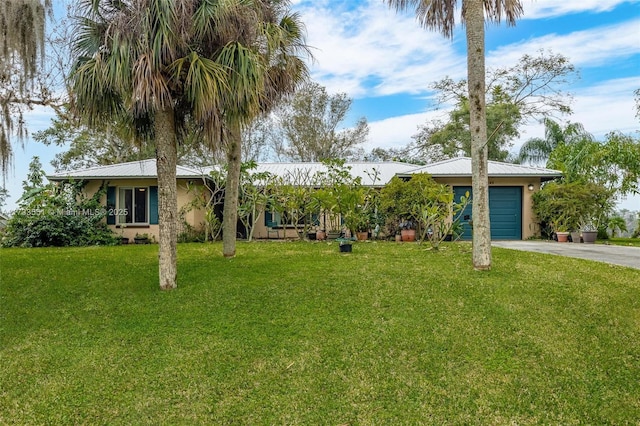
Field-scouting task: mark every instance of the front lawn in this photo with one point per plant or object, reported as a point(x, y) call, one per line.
point(634, 242)
point(297, 333)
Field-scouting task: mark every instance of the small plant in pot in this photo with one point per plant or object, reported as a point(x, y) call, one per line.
point(561, 228)
point(407, 230)
point(345, 244)
point(589, 232)
point(141, 239)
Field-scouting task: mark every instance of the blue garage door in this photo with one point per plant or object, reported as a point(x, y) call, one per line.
point(505, 212)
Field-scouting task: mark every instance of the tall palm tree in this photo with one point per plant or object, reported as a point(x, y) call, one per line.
point(440, 15)
point(271, 59)
point(168, 65)
point(22, 37)
point(538, 150)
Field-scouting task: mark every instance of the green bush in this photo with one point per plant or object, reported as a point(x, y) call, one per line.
point(58, 215)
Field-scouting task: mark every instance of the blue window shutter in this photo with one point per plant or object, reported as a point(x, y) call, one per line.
point(153, 205)
point(111, 205)
point(268, 219)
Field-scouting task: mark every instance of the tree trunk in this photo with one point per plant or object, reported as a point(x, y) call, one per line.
point(474, 18)
point(166, 159)
point(230, 210)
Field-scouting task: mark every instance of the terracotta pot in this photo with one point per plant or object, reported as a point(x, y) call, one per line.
point(362, 236)
point(408, 234)
point(563, 237)
point(321, 235)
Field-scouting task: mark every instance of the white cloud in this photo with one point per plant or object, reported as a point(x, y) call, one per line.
point(553, 8)
point(588, 48)
point(396, 132)
point(607, 106)
point(372, 51)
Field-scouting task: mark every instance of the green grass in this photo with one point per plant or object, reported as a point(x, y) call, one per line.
point(297, 333)
point(634, 242)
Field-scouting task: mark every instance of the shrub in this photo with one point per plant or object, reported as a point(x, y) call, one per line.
point(58, 215)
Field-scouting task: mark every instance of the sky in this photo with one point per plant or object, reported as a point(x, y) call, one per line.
point(387, 63)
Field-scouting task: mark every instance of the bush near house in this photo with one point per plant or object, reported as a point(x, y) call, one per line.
point(58, 215)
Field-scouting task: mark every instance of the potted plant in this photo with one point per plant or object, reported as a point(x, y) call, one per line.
point(407, 230)
point(562, 233)
point(589, 232)
point(345, 244)
point(565, 205)
point(141, 238)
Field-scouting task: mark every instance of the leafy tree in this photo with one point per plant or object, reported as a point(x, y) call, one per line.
point(253, 195)
point(295, 195)
point(100, 145)
point(526, 91)
point(22, 39)
point(111, 143)
point(35, 176)
point(405, 154)
point(613, 163)
point(538, 150)
point(57, 215)
point(439, 14)
point(566, 206)
point(429, 206)
point(256, 139)
point(615, 224)
point(4, 194)
point(310, 123)
point(439, 140)
point(636, 232)
point(336, 194)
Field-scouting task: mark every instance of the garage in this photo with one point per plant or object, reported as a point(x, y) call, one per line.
point(505, 212)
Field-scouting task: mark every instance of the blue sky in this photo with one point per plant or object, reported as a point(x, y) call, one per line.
point(386, 63)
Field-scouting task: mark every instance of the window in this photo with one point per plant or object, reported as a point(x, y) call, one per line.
point(133, 205)
point(274, 219)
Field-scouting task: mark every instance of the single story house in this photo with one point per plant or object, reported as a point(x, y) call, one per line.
point(132, 191)
point(510, 189)
point(132, 194)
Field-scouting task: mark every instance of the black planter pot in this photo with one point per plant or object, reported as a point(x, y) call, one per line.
point(346, 248)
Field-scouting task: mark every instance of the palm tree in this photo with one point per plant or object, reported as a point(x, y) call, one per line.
point(615, 224)
point(538, 150)
point(440, 15)
point(22, 31)
point(169, 65)
point(270, 59)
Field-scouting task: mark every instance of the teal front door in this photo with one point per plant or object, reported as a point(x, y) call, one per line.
point(505, 212)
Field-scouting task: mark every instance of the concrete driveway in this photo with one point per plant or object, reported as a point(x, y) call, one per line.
point(617, 255)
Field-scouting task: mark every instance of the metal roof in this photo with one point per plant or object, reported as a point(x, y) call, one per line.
point(461, 167)
point(371, 174)
point(131, 170)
